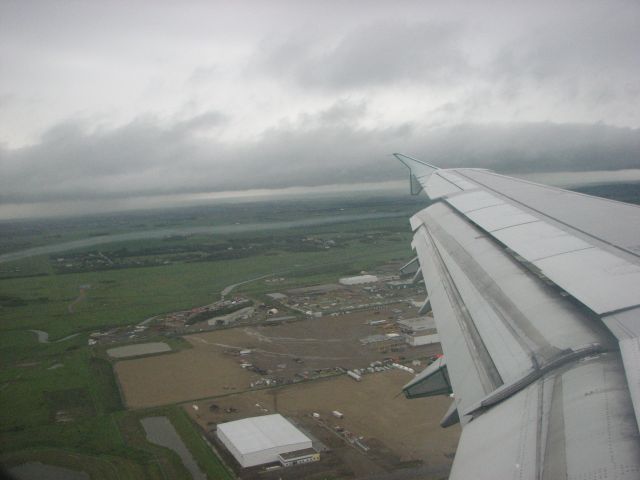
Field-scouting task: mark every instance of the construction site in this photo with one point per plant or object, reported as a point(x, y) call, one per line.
point(306, 353)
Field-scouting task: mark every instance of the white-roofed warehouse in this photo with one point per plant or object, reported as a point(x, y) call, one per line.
point(258, 440)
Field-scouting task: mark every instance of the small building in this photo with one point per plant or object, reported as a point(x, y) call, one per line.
point(372, 339)
point(419, 340)
point(400, 284)
point(383, 342)
point(307, 455)
point(260, 440)
point(418, 325)
point(359, 280)
point(419, 331)
point(374, 323)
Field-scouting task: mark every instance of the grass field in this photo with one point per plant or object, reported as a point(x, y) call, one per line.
point(60, 402)
point(125, 296)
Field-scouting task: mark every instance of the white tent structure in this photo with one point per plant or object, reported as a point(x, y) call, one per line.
point(259, 440)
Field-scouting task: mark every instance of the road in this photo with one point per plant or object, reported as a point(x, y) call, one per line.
point(227, 290)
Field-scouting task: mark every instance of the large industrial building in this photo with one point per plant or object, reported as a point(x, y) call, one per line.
point(266, 439)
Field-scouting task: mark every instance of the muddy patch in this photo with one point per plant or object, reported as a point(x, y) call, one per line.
point(137, 350)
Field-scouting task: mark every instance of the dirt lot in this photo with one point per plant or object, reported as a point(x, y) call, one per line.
point(173, 378)
point(399, 432)
point(321, 343)
point(213, 368)
point(138, 349)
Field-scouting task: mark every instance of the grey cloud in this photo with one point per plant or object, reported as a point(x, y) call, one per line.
point(203, 121)
point(342, 112)
point(585, 56)
point(202, 75)
point(380, 53)
point(145, 158)
point(591, 58)
point(536, 147)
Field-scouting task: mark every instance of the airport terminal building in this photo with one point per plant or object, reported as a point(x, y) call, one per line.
point(266, 439)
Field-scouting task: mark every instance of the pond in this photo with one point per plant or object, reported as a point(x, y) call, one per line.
point(161, 432)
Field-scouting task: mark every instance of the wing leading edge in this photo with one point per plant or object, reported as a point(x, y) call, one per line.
point(537, 310)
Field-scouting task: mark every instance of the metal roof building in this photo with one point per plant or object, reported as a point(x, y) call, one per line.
point(259, 440)
point(417, 325)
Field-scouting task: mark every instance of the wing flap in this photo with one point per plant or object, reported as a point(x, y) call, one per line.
point(558, 427)
point(626, 327)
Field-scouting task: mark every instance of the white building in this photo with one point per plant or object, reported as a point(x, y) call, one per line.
point(296, 458)
point(419, 331)
point(419, 340)
point(259, 440)
point(418, 325)
point(359, 280)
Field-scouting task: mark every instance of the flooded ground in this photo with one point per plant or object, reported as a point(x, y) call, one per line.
point(161, 432)
point(38, 471)
point(140, 349)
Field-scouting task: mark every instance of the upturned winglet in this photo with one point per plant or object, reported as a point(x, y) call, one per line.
point(417, 170)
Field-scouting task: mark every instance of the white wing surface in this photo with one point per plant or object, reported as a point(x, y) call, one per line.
point(536, 296)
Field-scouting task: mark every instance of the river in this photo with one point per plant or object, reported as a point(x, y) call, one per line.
point(167, 232)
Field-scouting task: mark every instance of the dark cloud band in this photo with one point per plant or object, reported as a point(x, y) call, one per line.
point(145, 158)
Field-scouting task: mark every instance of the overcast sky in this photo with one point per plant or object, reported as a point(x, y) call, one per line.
point(105, 100)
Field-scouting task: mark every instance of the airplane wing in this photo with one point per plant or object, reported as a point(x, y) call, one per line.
point(535, 292)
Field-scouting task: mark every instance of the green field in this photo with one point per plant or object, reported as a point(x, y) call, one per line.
point(59, 401)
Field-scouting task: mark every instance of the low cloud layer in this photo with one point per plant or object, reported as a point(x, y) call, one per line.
point(146, 158)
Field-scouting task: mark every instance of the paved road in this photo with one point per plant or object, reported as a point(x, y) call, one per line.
point(43, 337)
point(227, 290)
